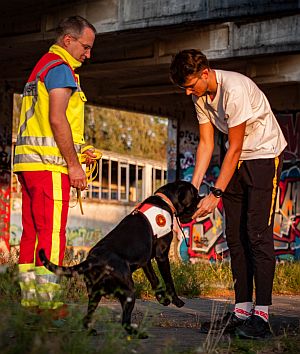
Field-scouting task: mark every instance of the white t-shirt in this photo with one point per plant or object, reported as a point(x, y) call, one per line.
point(237, 100)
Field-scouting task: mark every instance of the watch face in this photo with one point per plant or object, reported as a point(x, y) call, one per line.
point(217, 192)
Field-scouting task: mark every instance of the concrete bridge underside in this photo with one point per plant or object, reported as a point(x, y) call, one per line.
point(136, 40)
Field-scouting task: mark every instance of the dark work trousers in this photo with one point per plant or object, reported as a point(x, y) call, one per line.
point(249, 203)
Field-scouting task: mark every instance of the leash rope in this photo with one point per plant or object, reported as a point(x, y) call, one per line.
point(93, 165)
point(90, 169)
point(178, 223)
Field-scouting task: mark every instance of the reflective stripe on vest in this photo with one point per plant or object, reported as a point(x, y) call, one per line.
point(25, 143)
point(42, 141)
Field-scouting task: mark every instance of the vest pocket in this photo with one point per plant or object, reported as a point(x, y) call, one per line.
point(82, 96)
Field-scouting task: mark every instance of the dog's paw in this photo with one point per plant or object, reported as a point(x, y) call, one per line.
point(163, 299)
point(92, 332)
point(177, 302)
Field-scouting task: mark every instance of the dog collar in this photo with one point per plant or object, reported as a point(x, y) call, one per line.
point(167, 200)
point(159, 219)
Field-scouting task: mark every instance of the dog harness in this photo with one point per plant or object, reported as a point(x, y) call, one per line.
point(160, 220)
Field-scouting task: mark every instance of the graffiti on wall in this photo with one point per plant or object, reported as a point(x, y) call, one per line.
point(287, 216)
point(83, 236)
point(4, 221)
point(290, 126)
point(76, 236)
point(287, 213)
point(188, 142)
point(206, 237)
point(172, 150)
point(5, 161)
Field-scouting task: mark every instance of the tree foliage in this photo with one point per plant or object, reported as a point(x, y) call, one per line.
point(126, 132)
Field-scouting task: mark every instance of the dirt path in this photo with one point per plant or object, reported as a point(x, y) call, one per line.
point(170, 327)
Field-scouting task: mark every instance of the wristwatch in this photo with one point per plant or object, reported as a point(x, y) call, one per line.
point(217, 192)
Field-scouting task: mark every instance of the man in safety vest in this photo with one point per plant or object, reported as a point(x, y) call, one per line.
point(46, 159)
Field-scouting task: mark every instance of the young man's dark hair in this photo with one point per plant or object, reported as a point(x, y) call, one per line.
point(185, 63)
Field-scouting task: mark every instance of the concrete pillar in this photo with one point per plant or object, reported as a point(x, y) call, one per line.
point(148, 180)
point(172, 150)
point(6, 113)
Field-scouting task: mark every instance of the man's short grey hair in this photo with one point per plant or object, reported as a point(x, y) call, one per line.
point(73, 25)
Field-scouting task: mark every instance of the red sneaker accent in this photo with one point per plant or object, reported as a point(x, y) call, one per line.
point(261, 314)
point(242, 312)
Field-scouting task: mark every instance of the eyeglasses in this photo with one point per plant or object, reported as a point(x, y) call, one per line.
point(86, 47)
point(190, 87)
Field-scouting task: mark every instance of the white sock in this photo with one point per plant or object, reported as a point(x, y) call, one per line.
point(262, 312)
point(243, 310)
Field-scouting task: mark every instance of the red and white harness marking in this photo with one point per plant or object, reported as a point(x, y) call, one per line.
point(159, 219)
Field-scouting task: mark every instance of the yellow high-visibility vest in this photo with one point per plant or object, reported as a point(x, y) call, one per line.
point(36, 149)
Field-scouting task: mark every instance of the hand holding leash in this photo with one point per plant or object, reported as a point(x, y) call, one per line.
point(89, 157)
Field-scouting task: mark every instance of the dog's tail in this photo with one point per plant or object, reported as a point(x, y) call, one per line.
point(60, 270)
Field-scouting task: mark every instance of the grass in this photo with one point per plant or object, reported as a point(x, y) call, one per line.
point(23, 333)
point(212, 279)
point(287, 279)
point(191, 280)
point(284, 344)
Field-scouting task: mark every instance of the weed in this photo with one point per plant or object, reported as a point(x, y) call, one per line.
point(193, 280)
point(281, 344)
point(22, 332)
point(287, 278)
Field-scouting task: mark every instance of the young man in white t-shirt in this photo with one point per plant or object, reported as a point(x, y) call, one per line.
point(247, 183)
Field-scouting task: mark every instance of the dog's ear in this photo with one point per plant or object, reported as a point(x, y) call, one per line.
point(188, 200)
point(185, 196)
point(187, 190)
point(181, 193)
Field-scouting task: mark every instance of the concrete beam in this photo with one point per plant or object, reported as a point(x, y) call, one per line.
point(228, 40)
point(275, 70)
point(35, 16)
point(149, 13)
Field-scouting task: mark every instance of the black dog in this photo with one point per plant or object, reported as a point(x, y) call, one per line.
point(131, 245)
